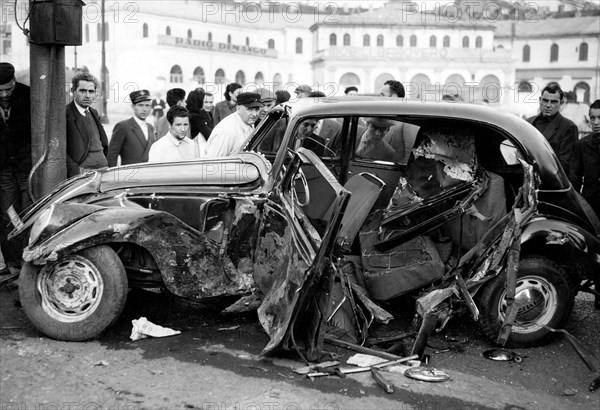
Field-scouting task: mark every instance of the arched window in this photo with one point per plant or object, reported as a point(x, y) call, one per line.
point(478, 42)
point(247, 41)
point(271, 43)
point(380, 40)
point(189, 33)
point(465, 42)
point(366, 40)
point(433, 41)
point(554, 52)
point(228, 38)
point(526, 53)
point(168, 31)
point(332, 39)
point(583, 52)
point(176, 75)
point(145, 30)
point(413, 41)
point(346, 39)
point(259, 78)
point(209, 36)
point(298, 45)
point(525, 87)
point(87, 33)
point(240, 77)
point(399, 41)
point(219, 76)
point(199, 75)
point(446, 41)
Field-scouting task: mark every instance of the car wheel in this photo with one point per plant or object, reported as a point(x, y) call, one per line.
point(543, 297)
point(75, 298)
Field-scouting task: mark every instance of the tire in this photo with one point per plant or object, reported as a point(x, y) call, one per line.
point(75, 298)
point(546, 289)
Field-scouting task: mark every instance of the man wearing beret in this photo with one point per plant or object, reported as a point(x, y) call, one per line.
point(87, 144)
point(372, 144)
point(15, 147)
point(229, 135)
point(131, 139)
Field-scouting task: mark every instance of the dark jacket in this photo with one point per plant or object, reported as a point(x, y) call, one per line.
point(78, 142)
point(585, 169)
point(562, 134)
point(15, 135)
point(129, 142)
point(222, 109)
point(201, 122)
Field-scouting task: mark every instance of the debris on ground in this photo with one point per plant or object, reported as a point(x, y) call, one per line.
point(143, 328)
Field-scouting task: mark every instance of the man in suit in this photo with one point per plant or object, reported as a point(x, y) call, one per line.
point(131, 139)
point(87, 144)
point(560, 132)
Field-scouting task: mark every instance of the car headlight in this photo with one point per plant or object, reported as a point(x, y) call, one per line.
point(40, 224)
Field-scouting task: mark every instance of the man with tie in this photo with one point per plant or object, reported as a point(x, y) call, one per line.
point(87, 144)
point(131, 139)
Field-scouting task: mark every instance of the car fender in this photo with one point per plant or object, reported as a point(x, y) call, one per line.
point(188, 261)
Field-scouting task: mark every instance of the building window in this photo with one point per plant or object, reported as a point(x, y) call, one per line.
point(446, 41)
point(583, 52)
point(271, 43)
point(478, 42)
point(259, 78)
point(465, 42)
point(247, 41)
point(219, 76)
point(298, 45)
point(145, 30)
point(554, 52)
point(176, 75)
point(380, 40)
point(433, 41)
point(366, 40)
point(189, 33)
point(87, 33)
point(399, 41)
point(332, 39)
point(168, 31)
point(240, 77)
point(413, 41)
point(346, 39)
point(526, 54)
point(209, 36)
point(199, 75)
point(228, 38)
point(99, 31)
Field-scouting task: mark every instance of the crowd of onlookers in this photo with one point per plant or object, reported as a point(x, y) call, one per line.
point(194, 127)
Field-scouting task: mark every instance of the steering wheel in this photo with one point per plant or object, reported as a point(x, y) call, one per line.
point(300, 176)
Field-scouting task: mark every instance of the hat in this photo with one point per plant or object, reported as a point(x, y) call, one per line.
point(7, 73)
point(304, 88)
point(379, 122)
point(265, 95)
point(351, 88)
point(250, 100)
point(139, 96)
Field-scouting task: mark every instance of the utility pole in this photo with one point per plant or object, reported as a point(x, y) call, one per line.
point(104, 118)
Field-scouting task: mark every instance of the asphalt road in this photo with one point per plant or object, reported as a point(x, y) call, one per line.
point(215, 363)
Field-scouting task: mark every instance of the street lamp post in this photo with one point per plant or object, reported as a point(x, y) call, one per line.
point(104, 118)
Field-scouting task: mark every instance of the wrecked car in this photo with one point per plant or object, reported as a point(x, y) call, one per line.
point(331, 210)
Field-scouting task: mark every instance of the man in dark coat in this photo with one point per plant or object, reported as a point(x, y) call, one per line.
point(560, 132)
point(87, 144)
point(131, 139)
point(585, 163)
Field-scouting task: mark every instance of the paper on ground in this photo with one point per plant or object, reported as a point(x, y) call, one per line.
point(142, 328)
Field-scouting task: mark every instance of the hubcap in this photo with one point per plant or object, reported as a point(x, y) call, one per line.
point(71, 289)
point(536, 300)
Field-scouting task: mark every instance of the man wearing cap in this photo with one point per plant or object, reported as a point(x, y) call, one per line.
point(303, 91)
point(175, 96)
point(131, 139)
point(15, 148)
point(227, 107)
point(229, 135)
point(87, 144)
point(372, 144)
point(268, 99)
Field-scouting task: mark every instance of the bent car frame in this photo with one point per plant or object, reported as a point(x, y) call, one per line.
point(331, 210)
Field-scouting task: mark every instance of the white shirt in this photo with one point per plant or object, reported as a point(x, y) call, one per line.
point(143, 126)
point(81, 110)
point(228, 136)
point(169, 148)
